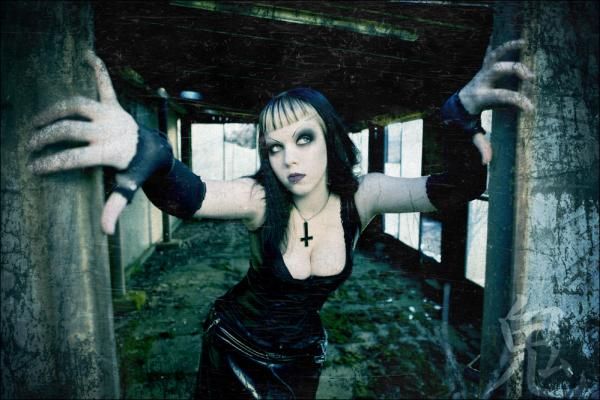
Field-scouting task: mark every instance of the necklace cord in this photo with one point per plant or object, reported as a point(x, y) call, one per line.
point(318, 212)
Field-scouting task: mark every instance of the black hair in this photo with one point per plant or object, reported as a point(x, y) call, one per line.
point(342, 156)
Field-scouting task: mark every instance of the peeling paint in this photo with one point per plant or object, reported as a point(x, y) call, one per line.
point(563, 259)
point(556, 247)
point(57, 333)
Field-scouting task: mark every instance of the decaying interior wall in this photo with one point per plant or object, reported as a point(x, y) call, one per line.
point(540, 333)
point(140, 225)
point(57, 327)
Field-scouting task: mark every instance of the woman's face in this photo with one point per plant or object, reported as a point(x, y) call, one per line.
point(298, 155)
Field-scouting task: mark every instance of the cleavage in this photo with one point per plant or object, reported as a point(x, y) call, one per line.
point(326, 252)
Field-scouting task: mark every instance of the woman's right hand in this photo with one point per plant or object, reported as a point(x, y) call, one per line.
point(111, 134)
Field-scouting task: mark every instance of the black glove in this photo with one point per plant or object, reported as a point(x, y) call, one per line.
point(455, 116)
point(154, 155)
point(168, 183)
point(465, 178)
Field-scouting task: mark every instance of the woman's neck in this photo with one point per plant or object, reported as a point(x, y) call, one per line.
point(313, 202)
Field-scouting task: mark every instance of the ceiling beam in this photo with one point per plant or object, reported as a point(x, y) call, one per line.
point(411, 18)
point(289, 42)
point(304, 17)
point(488, 4)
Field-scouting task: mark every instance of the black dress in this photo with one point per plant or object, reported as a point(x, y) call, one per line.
point(264, 338)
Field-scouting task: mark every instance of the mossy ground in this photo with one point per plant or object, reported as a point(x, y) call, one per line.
point(385, 337)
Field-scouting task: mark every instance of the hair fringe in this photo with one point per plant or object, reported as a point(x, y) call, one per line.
point(342, 157)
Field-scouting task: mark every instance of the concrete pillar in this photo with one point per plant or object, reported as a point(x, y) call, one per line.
point(117, 269)
point(376, 164)
point(550, 333)
point(163, 118)
point(186, 141)
point(57, 326)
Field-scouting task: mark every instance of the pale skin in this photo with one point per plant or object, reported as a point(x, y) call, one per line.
point(111, 134)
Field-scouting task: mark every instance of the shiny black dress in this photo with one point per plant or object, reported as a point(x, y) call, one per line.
point(264, 338)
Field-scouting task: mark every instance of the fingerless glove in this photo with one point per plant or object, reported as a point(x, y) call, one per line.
point(180, 192)
point(465, 177)
point(168, 183)
point(456, 117)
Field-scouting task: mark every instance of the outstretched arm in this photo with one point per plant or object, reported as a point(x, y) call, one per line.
point(468, 151)
point(141, 156)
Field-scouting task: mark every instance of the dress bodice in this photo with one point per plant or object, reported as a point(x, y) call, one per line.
point(275, 310)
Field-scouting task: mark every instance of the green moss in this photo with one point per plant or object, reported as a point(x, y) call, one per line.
point(337, 324)
point(133, 300)
point(363, 295)
point(351, 358)
point(138, 297)
point(361, 390)
point(133, 354)
point(133, 269)
point(407, 372)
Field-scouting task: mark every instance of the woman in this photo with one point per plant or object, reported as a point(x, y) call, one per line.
point(304, 210)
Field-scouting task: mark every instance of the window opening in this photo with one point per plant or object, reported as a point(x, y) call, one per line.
point(477, 224)
point(404, 158)
point(224, 151)
point(361, 141)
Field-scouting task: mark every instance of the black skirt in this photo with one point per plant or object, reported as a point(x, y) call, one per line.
point(233, 368)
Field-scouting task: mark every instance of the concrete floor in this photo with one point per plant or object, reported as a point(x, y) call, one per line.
point(386, 338)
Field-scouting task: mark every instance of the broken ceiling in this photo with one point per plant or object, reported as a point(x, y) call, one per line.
point(372, 60)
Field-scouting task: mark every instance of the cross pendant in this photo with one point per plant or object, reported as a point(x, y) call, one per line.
point(306, 238)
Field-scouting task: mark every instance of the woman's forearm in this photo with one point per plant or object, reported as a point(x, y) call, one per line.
point(466, 175)
point(173, 187)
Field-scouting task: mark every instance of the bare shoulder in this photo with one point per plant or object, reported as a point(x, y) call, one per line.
point(242, 198)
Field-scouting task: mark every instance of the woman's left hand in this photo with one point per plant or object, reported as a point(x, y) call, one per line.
point(480, 93)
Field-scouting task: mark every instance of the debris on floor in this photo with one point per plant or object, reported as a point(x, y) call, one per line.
point(386, 340)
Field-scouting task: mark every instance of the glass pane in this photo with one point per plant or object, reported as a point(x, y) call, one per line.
point(477, 241)
point(431, 238)
point(240, 151)
point(410, 167)
point(207, 151)
point(391, 225)
point(390, 221)
point(361, 140)
point(403, 152)
point(477, 226)
point(412, 148)
point(393, 142)
point(409, 229)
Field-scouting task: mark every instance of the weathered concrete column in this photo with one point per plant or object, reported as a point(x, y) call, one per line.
point(376, 164)
point(186, 141)
point(57, 327)
point(551, 334)
point(163, 118)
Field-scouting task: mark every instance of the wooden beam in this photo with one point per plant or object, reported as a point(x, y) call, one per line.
point(305, 17)
point(412, 18)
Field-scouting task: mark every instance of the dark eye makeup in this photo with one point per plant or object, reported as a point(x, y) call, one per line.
point(274, 148)
point(304, 136)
